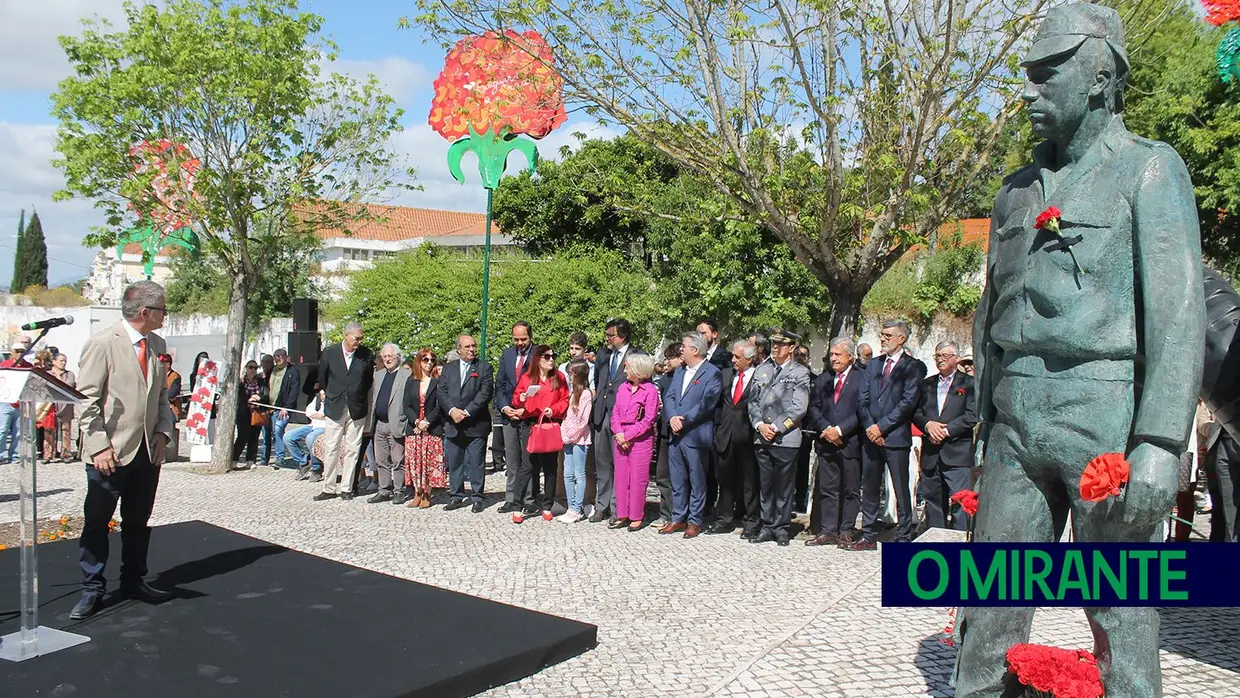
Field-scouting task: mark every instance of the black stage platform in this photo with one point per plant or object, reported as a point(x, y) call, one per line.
point(254, 620)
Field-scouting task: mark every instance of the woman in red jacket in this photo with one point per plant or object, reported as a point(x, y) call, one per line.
point(541, 393)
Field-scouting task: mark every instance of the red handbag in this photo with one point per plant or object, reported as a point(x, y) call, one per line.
point(545, 437)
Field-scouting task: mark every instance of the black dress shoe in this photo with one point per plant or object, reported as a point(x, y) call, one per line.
point(346, 496)
point(324, 496)
point(144, 592)
point(749, 533)
point(303, 473)
point(719, 527)
point(87, 606)
point(763, 537)
point(380, 497)
point(782, 539)
point(455, 504)
point(400, 497)
point(478, 507)
point(599, 515)
point(508, 508)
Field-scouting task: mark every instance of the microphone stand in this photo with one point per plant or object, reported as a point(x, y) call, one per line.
point(42, 334)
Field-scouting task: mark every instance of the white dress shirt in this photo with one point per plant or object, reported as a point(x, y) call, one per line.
point(690, 372)
point(134, 337)
point(747, 374)
point(348, 358)
point(465, 370)
point(944, 389)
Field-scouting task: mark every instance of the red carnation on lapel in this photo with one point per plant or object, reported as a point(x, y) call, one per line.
point(960, 391)
point(1049, 219)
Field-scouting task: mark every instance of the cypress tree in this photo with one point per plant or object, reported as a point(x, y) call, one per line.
point(21, 233)
point(30, 263)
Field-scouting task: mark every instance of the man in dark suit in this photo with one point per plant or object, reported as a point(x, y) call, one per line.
point(887, 415)
point(465, 388)
point(835, 414)
point(662, 467)
point(716, 354)
point(736, 469)
point(689, 411)
point(947, 415)
point(512, 363)
point(346, 372)
point(609, 376)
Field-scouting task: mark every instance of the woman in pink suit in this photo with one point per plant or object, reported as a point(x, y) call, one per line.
point(632, 423)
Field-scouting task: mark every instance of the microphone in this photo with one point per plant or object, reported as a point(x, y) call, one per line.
point(49, 323)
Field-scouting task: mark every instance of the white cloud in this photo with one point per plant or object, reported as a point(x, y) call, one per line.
point(30, 56)
point(400, 77)
point(27, 180)
point(428, 152)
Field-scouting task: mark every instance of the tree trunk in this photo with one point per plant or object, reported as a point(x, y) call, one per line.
point(845, 312)
point(229, 375)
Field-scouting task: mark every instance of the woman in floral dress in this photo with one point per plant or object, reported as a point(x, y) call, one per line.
point(424, 465)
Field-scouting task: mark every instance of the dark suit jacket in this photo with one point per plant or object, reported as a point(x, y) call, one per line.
point(434, 415)
point(473, 397)
point(606, 385)
point(346, 388)
point(290, 388)
point(891, 405)
point(697, 405)
point(959, 414)
point(506, 379)
point(825, 412)
point(722, 358)
point(732, 427)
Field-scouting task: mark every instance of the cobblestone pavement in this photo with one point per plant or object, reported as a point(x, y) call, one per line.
point(713, 616)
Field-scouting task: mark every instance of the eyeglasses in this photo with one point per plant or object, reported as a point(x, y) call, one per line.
point(428, 360)
point(611, 335)
point(549, 356)
point(943, 356)
point(160, 308)
point(251, 368)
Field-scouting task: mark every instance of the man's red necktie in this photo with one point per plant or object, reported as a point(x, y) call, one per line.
point(887, 370)
point(839, 388)
point(520, 363)
point(142, 356)
point(740, 389)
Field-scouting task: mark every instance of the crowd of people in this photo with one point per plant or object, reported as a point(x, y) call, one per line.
point(729, 435)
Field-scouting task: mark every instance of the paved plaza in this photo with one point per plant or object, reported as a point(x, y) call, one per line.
point(714, 616)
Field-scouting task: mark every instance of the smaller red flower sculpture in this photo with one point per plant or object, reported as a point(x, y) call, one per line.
point(1104, 477)
point(967, 499)
point(1049, 220)
point(1051, 671)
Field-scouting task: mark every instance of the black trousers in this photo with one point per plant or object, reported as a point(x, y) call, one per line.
point(777, 466)
point(804, 453)
point(134, 485)
point(663, 479)
point(497, 446)
point(247, 437)
point(732, 466)
point(937, 484)
point(895, 460)
point(838, 492)
point(527, 478)
point(1222, 475)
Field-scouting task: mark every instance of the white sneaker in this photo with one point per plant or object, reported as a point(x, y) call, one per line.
point(569, 517)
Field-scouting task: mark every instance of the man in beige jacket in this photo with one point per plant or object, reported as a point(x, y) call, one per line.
point(126, 424)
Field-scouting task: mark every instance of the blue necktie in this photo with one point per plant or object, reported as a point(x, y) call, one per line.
point(615, 362)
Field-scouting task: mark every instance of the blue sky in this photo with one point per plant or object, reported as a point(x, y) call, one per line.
point(31, 63)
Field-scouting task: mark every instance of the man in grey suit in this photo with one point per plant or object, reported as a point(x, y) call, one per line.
point(388, 426)
point(125, 423)
point(777, 414)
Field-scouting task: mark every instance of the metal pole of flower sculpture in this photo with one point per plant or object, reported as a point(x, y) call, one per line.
point(162, 195)
point(493, 89)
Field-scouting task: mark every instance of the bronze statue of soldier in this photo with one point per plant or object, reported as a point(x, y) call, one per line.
point(1088, 340)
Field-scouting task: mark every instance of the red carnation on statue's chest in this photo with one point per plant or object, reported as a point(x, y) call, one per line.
point(1049, 219)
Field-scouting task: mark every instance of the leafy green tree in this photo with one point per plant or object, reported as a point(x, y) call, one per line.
point(201, 287)
point(850, 131)
point(283, 149)
point(30, 261)
point(738, 273)
point(426, 297)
